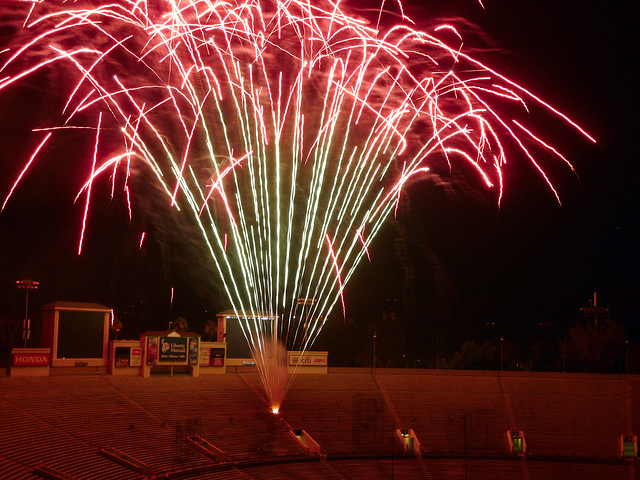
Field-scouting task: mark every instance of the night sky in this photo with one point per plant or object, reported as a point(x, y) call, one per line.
point(534, 261)
point(463, 262)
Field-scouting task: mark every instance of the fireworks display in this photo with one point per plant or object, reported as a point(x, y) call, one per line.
point(285, 130)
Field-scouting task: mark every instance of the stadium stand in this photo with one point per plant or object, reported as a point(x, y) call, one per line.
point(37, 430)
point(345, 414)
point(581, 416)
point(14, 471)
point(450, 413)
point(95, 426)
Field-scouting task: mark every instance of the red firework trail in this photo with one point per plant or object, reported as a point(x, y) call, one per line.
point(306, 120)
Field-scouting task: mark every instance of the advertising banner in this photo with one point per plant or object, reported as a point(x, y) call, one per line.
point(123, 356)
point(173, 349)
point(308, 359)
point(136, 357)
point(205, 357)
point(31, 359)
point(193, 351)
point(217, 357)
point(152, 350)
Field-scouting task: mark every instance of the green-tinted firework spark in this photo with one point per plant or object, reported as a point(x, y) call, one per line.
point(285, 130)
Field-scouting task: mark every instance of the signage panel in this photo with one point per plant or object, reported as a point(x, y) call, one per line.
point(217, 357)
point(152, 350)
point(123, 356)
point(308, 360)
point(173, 349)
point(136, 357)
point(217, 362)
point(31, 359)
point(205, 357)
point(193, 351)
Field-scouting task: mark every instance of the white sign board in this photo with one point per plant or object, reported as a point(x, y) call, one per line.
point(309, 362)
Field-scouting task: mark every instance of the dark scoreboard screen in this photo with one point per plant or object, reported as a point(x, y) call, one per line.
point(80, 334)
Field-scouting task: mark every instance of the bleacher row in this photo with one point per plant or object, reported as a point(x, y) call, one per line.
point(109, 427)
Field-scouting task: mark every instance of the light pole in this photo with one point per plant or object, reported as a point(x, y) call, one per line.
point(626, 356)
point(374, 351)
point(501, 352)
point(27, 285)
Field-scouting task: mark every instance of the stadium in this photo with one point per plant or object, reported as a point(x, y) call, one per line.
point(81, 423)
point(173, 406)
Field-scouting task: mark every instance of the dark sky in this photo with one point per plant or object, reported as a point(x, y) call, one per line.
point(532, 260)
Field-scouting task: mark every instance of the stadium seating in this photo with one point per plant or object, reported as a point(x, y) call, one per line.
point(97, 426)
